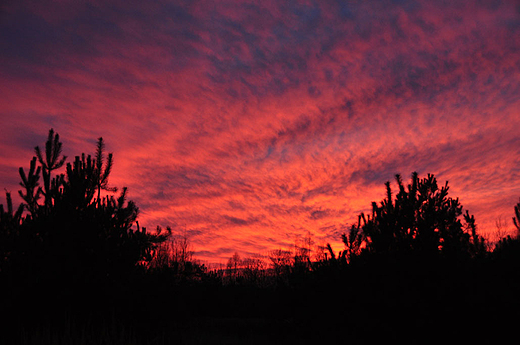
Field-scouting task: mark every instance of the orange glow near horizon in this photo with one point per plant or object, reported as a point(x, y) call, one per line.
point(253, 124)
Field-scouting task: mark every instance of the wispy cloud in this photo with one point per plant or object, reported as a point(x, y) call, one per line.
point(249, 124)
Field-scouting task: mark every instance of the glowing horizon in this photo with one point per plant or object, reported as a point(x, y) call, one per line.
point(251, 124)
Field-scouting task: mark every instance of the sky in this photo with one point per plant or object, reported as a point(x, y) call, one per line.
point(249, 125)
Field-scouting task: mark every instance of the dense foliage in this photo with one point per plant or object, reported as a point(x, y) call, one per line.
point(422, 221)
point(74, 234)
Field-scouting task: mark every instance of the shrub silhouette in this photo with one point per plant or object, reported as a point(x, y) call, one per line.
point(73, 236)
point(421, 221)
point(507, 250)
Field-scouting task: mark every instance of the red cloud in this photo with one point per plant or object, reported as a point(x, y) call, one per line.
point(251, 125)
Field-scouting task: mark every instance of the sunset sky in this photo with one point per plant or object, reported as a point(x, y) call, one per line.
point(250, 124)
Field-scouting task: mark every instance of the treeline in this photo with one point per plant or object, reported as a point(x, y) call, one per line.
point(420, 224)
point(75, 266)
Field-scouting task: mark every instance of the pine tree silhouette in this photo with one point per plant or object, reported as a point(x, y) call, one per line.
point(422, 220)
point(103, 169)
point(516, 220)
point(507, 250)
point(30, 184)
point(51, 161)
point(73, 236)
point(353, 241)
point(10, 221)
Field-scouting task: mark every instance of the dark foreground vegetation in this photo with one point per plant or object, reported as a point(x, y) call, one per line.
point(76, 268)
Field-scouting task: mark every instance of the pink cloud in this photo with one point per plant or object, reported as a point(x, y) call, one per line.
point(253, 124)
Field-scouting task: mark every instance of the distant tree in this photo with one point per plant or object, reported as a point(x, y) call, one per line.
point(320, 253)
point(330, 260)
point(281, 263)
point(175, 257)
point(303, 248)
point(422, 220)
point(507, 249)
point(233, 266)
point(182, 253)
point(254, 269)
point(516, 220)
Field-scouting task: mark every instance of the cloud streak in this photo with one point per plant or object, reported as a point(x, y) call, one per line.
point(250, 124)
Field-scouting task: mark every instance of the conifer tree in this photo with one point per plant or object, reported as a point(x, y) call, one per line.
point(103, 169)
point(10, 221)
point(354, 239)
point(421, 220)
point(30, 184)
point(75, 236)
point(516, 220)
point(51, 161)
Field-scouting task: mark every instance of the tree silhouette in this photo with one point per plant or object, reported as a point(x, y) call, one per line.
point(73, 235)
point(9, 230)
point(422, 220)
point(516, 220)
point(507, 249)
point(353, 241)
point(51, 161)
point(233, 266)
point(103, 169)
point(30, 184)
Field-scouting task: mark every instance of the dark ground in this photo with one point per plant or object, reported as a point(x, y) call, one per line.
point(372, 305)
